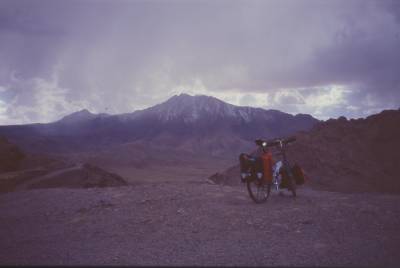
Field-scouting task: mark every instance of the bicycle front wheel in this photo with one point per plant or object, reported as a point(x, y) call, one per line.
point(258, 191)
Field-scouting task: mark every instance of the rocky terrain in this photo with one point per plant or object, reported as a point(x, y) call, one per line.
point(10, 155)
point(195, 223)
point(345, 155)
point(353, 155)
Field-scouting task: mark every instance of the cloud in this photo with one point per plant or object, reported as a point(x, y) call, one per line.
point(288, 97)
point(119, 56)
point(247, 100)
point(37, 100)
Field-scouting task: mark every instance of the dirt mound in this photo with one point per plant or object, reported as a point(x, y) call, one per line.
point(227, 177)
point(10, 155)
point(85, 176)
point(20, 171)
point(75, 176)
point(346, 155)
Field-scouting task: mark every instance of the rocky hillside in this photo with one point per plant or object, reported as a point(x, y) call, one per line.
point(10, 155)
point(22, 171)
point(346, 155)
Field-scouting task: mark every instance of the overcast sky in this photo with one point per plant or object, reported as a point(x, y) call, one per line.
point(325, 58)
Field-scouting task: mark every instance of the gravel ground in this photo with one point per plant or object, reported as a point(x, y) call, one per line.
point(193, 223)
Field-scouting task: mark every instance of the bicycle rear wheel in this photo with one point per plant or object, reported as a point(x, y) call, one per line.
point(259, 191)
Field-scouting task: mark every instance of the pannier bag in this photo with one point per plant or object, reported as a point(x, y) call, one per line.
point(285, 178)
point(244, 166)
point(250, 167)
point(298, 174)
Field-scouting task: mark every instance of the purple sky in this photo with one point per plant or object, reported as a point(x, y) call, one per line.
point(326, 58)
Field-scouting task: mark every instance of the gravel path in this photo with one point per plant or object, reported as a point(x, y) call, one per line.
point(197, 224)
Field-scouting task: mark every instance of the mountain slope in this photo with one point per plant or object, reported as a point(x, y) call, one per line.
point(198, 124)
point(10, 155)
point(80, 116)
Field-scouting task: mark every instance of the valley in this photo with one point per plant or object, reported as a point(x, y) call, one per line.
point(128, 198)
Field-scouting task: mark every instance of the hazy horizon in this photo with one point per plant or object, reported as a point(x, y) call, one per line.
point(92, 112)
point(323, 58)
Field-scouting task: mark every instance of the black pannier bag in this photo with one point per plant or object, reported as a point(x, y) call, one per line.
point(297, 173)
point(245, 166)
point(249, 166)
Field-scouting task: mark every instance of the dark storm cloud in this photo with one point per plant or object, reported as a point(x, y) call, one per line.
point(118, 56)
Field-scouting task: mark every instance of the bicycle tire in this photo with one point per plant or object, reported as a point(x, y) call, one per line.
point(261, 188)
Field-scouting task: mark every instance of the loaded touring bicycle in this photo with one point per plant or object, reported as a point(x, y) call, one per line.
point(261, 175)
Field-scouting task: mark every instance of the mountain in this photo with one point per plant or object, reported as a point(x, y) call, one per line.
point(345, 155)
point(80, 116)
point(195, 124)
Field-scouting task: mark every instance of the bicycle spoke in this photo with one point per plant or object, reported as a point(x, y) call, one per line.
point(257, 192)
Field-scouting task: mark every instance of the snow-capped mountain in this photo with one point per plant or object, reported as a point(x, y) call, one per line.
point(193, 108)
point(194, 123)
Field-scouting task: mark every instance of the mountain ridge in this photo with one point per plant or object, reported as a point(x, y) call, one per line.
point(191, 123)
point(80, 116)
point(180, 102)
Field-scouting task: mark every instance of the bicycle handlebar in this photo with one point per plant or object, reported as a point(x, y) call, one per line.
point(274, 142)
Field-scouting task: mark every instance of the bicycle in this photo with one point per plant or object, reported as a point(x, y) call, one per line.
point(252, 171)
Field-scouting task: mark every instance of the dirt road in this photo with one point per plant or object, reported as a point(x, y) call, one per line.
point(193, 223)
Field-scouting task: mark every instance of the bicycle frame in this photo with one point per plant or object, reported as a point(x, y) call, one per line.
point(277, 178)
